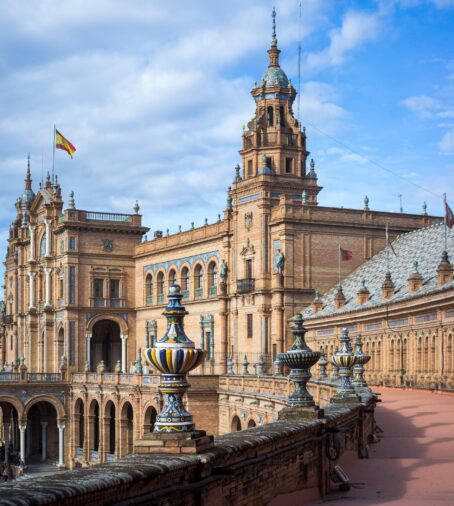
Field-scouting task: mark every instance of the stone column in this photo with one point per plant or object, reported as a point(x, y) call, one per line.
point(22, 429)
point(61, 445)
point(89, 335)
point(124, 342)
point(47, 272)
point(32, 279)
point(44, 441)
point(6, 436)
point(277, 332)
point(32, 244)
point(48, 238)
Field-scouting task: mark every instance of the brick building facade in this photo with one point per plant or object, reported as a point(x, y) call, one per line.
point(89, 287)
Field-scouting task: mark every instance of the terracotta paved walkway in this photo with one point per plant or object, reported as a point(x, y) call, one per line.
point(413, 464)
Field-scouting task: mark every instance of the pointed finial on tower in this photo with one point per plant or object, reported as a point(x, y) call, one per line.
point(273, 35)
point(28, 166)
point(71, 201)
point(312, 174)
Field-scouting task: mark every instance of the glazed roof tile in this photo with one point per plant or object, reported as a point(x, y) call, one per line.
point(424, 246)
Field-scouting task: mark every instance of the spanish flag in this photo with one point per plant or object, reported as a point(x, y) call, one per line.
point(63, 143)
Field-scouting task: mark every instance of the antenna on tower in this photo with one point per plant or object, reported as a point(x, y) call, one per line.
point(299, 68)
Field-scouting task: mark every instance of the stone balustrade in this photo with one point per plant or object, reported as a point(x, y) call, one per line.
point(298, 454)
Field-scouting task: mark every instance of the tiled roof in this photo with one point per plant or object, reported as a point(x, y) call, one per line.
point(424, 246)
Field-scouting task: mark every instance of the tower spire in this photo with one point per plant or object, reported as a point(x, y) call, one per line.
point(273, 52)
point(28, 177)
point(273, 35)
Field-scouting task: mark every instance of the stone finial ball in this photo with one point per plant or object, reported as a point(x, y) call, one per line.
point(174, 290)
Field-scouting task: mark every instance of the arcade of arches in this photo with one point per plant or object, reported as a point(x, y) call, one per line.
point(33, 434)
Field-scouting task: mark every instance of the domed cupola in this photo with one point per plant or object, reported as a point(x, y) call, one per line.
point(28, 194)
point(274, 80)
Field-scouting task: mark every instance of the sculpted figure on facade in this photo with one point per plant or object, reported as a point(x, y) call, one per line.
point(279, 262)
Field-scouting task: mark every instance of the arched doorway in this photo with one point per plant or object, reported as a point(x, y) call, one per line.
point(93, 430)
point(105, 345)
point(109, 429)
point(127, 429)
point(149, 419)
point(10, 441)
point(251, 424)
point(79, 427)
point(236, 424)
point(42, 438)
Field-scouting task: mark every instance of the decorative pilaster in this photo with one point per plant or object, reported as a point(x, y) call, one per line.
point(31, 257)
point(88, 361)
point(299, 359)
point(48, 251)
point(32, 287)
point(47, 272)
point(124, 342)
point(344, 359)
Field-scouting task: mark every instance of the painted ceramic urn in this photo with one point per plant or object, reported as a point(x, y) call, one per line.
point(358, 369)
point(174, 356)
point(299, 358)
point(344, 360)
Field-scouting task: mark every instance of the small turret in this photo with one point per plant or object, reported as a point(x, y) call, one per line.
point(415, 280)
point(444, 270)
point(339, 299)
point(363, 294)
point(387, 288)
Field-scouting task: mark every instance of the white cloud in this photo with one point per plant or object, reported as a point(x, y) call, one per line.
point(446, 144)
point(443, 4)
point(357, 28)
point(422, 105)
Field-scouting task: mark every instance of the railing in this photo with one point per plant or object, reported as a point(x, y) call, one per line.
point(102, 302)
point(9, 377)
point(149, 300)
point(245, 285)
point(213, 291)
point(94, 216)
point(44, 377)
point(198, 293)
point(185, 294)
point(161, 298)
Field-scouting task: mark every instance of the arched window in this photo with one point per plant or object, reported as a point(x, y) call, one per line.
point(160, 286)
point(198, 281)
point(172, 277)
point(42, 245)
point(149, 289)
point(282, 115)
point(185, 281)
point(270, 116)
point(212, 278)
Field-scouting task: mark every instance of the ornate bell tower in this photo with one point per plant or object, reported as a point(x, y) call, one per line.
point(273, 143)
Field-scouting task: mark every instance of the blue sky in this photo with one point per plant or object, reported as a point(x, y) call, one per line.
point(154, 96)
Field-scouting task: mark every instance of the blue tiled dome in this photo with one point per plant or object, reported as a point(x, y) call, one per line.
point(27, 196)
point(275, 76)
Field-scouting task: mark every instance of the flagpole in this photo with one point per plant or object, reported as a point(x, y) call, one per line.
point(387, 248)
point(339, 264)
point(446, 223)
point(53, 158)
